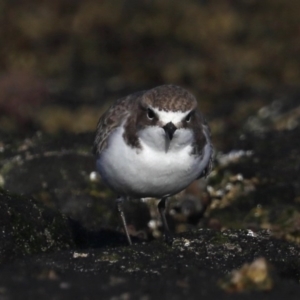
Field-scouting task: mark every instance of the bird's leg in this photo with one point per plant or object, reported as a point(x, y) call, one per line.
point(120, 201)
point(162, 211)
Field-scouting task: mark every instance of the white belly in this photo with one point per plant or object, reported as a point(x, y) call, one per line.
point(146, 172)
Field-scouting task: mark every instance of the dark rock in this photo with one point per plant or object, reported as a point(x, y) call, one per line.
point(57, 171)
point(260, 189)
point(27, 227)
point(191, 268)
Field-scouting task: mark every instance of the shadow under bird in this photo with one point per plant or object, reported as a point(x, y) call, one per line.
point(152, 143)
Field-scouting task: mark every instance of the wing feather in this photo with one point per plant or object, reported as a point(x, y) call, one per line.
point(108, 122)
point(112, 119)
point(207, 134)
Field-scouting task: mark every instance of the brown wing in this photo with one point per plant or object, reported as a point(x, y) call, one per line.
point(112, 119)
point(209, 166)
point(201, 139)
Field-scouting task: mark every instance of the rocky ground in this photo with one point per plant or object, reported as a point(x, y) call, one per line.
point(61, 235)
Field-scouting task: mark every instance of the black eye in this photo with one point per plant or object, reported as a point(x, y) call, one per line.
point(150, 114)
point(188, 118)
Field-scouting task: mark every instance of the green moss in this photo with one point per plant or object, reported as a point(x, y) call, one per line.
point(219, 239)
point(110, 257)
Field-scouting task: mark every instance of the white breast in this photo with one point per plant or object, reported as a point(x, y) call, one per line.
point(151, 171)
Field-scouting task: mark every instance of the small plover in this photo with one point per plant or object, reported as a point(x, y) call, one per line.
point(152, 143)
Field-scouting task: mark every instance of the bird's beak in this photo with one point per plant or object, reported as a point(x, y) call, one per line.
point(169, 129)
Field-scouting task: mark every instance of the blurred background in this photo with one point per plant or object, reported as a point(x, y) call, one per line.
point(63, 62)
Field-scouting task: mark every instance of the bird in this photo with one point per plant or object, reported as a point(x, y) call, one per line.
point(152, 144)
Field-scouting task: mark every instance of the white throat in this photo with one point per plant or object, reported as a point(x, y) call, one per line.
point(154, 138)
